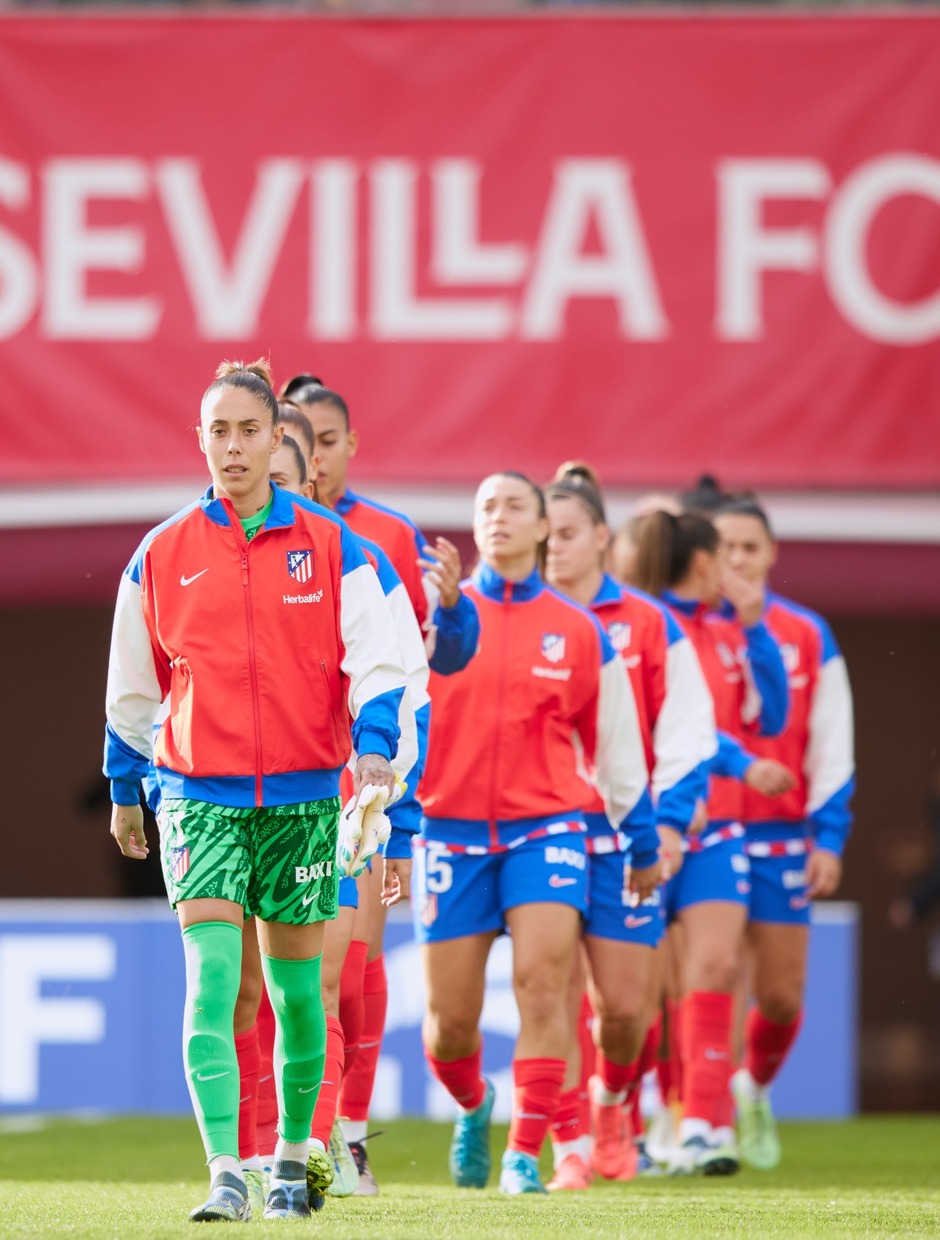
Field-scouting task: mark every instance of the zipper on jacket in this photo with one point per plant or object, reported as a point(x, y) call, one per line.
point(505, 613)
point(242, 541)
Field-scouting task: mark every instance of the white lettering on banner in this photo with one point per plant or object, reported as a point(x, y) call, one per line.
point(228, 298)
point(597, 189)
point(747, 248)
point(72, 249)
point(19, 282)
point(333, 251)
point(28, 1019)
point(861, 196)
point(458, 256)
point(472, 290)
point(397, 311)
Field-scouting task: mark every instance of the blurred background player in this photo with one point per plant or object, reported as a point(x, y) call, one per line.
point(677, 722)
point(795, 841)
point(246, 785)
point(365, 985)
point(678, 561)
point(502, 845)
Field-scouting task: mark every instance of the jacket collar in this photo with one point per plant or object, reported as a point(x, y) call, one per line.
point(493, 586)
point(610, 591)
point(281, 514)
point(347, 500)
point(690, 607)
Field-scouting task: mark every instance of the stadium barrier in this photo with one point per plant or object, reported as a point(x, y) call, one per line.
point(91, 996)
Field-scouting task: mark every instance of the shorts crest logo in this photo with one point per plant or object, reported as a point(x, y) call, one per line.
point(553, 647)
point(300, 565)
point(178, 862)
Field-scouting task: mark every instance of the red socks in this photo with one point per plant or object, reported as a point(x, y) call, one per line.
point(572, 1118)
point(706, 1054)
point(537, 1088)
point(615, 1076)
point(248, 1053)
point(462, 1078)
point(360, 1073)
point(352, 1009)
point(766, 1045)
point(327, 1100)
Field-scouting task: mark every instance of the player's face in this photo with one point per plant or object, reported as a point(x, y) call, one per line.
point(506, 521)
point(335, 448)
point(237, 434)
point(575, 543)
point(285, 472)
point(746, 546)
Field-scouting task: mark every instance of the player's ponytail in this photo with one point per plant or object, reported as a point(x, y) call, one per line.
point(254, 377)
point(666, 544)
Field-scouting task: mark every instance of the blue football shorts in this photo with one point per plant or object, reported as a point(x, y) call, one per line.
point(719, 870)
point(457, 893)
point(778, 882)
point(610, 914)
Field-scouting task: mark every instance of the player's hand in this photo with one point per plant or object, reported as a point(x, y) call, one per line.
point(770, 777)
point(443, 569)
point(746, 597)
point(823, 873)
point(396, 880)
point(372, 768)
point(670, 852)
point(644, 882)
point(127, 827)
point(699, 818)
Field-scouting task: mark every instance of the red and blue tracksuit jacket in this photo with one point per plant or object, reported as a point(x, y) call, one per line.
point(677, 719)
point(264, 652)
point(745, 673)
point(816, 744)
point(506, 731)
point(399, 538)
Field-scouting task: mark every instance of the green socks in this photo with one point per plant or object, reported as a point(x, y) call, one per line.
point(213, 951)
point(300, 1046)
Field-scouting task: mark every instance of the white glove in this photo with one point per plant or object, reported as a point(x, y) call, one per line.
point(363, 828)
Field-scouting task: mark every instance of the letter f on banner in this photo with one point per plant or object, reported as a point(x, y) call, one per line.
point(28, 1018)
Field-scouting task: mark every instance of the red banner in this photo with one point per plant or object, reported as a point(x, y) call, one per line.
point(662, 244)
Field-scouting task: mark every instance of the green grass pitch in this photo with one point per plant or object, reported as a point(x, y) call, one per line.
point(140, 1177)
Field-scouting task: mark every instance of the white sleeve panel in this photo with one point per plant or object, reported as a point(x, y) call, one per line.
point(411, 643)
point(684, 735)
point(134, 694)
point(620, 762)
point(830, 759)
point(373, 661)
point(433, 596)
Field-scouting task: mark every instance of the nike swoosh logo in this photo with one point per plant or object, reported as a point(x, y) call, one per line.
point(188, 581)
point(308, 1091)
point(633, 923)
point(557, 880)
point(305, 900)
point(211, 1076)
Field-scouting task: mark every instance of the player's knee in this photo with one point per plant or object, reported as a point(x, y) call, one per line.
point(780, 1005)
point(718, 972)
point(448, 1034)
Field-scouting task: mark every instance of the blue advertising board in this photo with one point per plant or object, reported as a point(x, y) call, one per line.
point(91, 999)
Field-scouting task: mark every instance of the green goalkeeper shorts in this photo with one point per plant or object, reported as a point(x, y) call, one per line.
point(278, 862)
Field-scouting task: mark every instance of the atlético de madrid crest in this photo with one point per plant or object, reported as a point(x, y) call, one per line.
point(619, 634)
point(553, 647)
point(300, 565)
